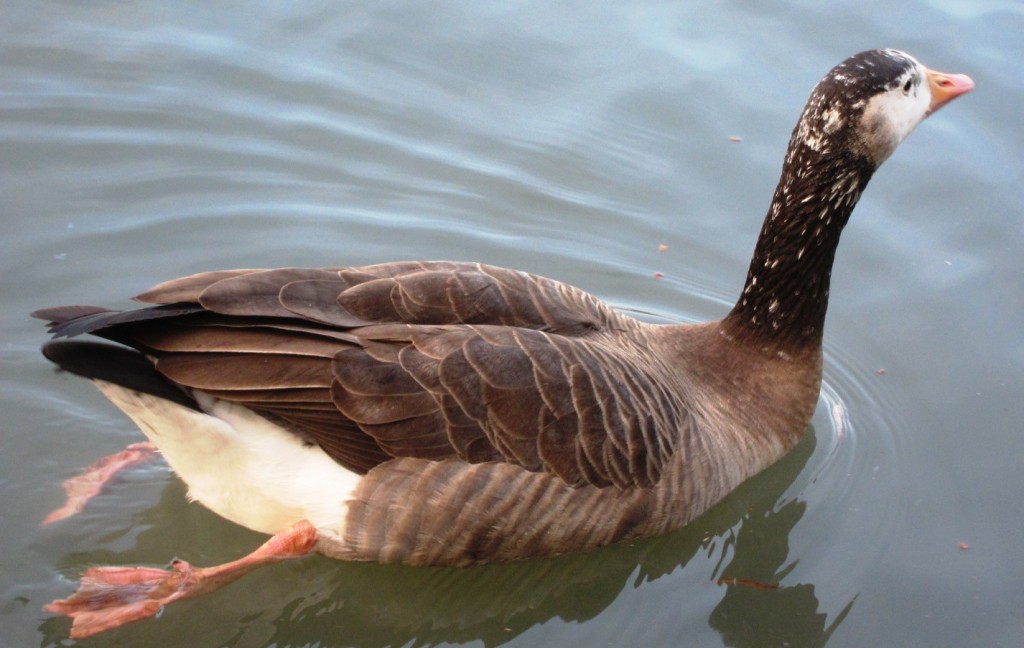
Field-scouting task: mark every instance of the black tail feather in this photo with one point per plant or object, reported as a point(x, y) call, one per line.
point(70, 321)
point(115, 364)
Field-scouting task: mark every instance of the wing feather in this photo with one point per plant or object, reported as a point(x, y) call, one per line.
point(437, 360)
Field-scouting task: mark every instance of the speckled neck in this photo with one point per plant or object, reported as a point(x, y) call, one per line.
point(786, 292)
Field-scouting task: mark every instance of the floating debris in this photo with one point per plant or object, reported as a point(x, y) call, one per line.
point(746, 582)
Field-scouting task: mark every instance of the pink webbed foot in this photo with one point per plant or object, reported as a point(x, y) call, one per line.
point(109, 597)
point(82, 488)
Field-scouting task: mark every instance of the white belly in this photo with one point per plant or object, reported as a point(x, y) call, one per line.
point(240, 465)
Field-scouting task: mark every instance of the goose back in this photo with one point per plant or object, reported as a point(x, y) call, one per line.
point(395, 360)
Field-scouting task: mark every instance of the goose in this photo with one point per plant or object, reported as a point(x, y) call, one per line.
point(454, 413)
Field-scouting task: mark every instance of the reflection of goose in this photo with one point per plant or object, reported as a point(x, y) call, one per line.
point(453, 413)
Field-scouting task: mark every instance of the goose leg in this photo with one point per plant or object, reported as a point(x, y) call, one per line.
point(109, 597)
point(82, 488)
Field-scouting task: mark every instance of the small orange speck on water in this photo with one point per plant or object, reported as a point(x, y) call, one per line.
point(662, 247)
point(735, 139)
point(964, 546)
point(880, 372)
point(747, 582)
point(658, 275)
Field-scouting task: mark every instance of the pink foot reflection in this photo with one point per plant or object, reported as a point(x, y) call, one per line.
point(109, 597)
point(84, 487)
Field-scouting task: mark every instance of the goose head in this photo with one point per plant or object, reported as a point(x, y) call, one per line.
point(870, 102)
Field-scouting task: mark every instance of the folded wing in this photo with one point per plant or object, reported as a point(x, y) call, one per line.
point(434, 360)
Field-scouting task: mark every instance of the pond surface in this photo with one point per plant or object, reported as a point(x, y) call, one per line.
point(144, 141)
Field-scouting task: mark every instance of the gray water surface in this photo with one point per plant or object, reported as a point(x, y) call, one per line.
point(144, 141)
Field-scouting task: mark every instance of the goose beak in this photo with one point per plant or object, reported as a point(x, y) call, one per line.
point(947, 87)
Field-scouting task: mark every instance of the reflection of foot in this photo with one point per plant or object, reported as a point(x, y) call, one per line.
point(109, 597)
point(84, 487)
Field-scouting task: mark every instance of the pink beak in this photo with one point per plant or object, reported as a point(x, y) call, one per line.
point(947, 87)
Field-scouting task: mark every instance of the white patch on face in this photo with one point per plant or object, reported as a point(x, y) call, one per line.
point(891, 115)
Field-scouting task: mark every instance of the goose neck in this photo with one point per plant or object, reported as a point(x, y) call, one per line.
point(785, 296)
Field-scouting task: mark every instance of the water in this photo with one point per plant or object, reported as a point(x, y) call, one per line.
point(144, 141)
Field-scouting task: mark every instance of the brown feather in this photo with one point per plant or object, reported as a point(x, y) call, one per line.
point(245, 371)
point(256, 293)
point(186, 289)
point(317, 300)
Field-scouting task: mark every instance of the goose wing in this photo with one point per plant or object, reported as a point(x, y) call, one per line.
point(422, 359)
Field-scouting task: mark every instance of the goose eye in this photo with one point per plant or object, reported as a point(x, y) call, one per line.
point(908, 85)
